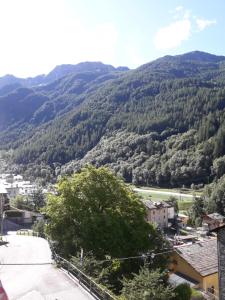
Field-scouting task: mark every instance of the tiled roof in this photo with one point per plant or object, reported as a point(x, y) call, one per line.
point(216, 216)
point(155, 205)
point(202, 256)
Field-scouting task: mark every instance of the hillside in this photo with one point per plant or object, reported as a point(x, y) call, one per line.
point(162, 123)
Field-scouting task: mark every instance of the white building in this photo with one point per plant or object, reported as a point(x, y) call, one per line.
point(15, 185)
point(4, 200)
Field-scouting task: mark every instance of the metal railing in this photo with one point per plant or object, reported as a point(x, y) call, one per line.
point(96, 290)
point(89, 284)
point(28, 232)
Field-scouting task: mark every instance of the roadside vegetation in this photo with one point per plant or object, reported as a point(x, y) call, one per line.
point(33, 202)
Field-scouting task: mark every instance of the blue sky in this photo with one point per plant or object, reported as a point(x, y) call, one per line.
point(37, 35)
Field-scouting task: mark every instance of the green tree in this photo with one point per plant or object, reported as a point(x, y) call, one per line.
point(96, 211)
point(147, 285)
point(174, 202)
point(18, 202)
point(22, 202)
point(183, 291)
point(38, 199)
point(215, 197)
point(39, 227)
point(197, 211)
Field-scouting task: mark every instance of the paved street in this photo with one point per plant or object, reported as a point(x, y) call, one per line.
point(34, 282)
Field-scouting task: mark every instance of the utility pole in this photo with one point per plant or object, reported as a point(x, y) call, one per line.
point(1, 212)
point(81, 256)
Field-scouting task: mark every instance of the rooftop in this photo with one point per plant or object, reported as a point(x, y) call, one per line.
point(216, 216)
point(156, 205)
point(202, 256)
point(2, 189)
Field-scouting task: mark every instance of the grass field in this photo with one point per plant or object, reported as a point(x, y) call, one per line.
point(161, 197)
point(184, 202)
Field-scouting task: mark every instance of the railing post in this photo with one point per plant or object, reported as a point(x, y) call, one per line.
point(68, 270)
point(90, 287)
point(79, 276)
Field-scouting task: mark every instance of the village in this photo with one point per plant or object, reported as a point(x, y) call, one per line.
point(12, 186)
point(193, 254)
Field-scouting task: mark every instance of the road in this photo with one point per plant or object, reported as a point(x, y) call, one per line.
point(165, 193)
point(34, 282)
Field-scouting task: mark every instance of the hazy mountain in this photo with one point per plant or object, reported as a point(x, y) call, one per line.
point(57, 73)
point(163, 123)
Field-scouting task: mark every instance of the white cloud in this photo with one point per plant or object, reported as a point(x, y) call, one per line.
point(203, 23)
point(179, 8)
point(181, 29)
point(173, 35)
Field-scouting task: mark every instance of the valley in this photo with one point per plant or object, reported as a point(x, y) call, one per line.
point(160, 124)
point(110, 156)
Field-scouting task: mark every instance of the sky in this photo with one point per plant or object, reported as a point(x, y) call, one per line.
point(37, 35)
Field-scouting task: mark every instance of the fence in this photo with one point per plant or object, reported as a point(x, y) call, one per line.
point(27, 232)
point(90, 285)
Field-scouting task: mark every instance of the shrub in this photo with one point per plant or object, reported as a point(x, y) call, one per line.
point(183, 291)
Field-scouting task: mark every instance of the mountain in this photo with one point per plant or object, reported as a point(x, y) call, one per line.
point(57, 73)
point(63, 70)
point(162, 123)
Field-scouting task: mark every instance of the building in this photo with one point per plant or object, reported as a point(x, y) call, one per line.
point(213, 220)
point(4, 204)
point(221, 259)
point(4, 200)
point(197, 263)
point(182, 220)
point(23, 217)
point(161, 213)
point(15, 185)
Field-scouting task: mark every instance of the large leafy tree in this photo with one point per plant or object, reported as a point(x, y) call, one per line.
point(96, 211)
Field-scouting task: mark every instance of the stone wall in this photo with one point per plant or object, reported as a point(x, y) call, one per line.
point(221, 261)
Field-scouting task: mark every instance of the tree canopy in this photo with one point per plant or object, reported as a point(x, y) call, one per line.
point(148, 285)
point(162, 123)
point(96, 211)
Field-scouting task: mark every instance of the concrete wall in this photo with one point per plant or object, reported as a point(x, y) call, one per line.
point(211, 281)
point(158, 216)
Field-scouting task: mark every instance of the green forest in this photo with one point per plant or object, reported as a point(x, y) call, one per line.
point(160, 124)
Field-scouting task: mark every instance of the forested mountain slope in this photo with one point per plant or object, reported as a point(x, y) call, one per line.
point(163, 123)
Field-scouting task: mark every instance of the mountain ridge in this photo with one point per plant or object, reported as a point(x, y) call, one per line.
point(161, 123)
point(57, 73)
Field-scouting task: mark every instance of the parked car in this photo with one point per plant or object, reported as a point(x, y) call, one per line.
point(3, 295)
